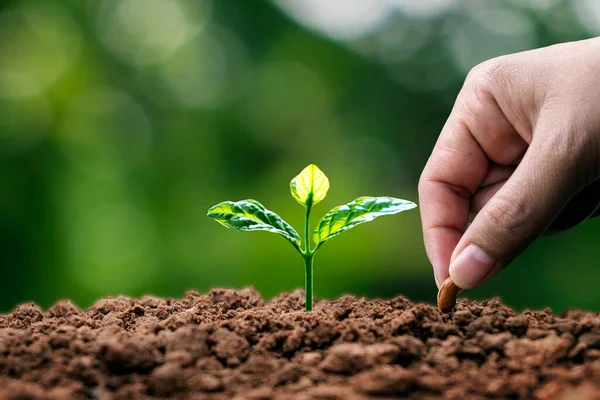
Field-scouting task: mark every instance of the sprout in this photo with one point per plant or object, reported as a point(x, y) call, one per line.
point(308, 188)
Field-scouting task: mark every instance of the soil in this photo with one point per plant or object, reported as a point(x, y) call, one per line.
point(229, 344)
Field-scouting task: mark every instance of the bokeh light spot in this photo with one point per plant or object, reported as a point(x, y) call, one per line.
point(147, 31)
point(283, 98)
point(209, 71)
point(588, 12)
point(38, 43)
point(23, 123)
point(540, 5)
point(105, 131)
point(397, 40)
point(113, 248)
point(422, 8)
point(488, 33)
point(340, 19)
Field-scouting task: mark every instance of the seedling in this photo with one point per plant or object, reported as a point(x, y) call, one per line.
point(308, 188)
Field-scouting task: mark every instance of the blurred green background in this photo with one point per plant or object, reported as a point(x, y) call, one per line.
point(123, 121)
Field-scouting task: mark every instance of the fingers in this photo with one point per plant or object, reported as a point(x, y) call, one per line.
point(494, 180)
point(497, 174)
point(585, 205)
point(481, 198)
point(454, 171)
point(476, 135)
point(519, 211)
point(487, 122)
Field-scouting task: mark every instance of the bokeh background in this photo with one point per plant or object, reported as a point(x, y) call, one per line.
point(123, 121)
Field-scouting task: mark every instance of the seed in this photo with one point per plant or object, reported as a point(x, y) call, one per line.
point(446, 297)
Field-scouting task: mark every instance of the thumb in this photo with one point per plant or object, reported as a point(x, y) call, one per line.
point(519, 212)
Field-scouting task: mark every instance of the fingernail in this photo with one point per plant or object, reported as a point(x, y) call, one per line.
point(437, 281)
point(471, 267)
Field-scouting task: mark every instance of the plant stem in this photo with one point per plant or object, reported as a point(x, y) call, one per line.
point(308, 281)
point(308, 260)
point(307, 228)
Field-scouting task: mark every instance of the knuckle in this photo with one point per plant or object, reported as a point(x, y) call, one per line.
point(490, 76)
point(509, 219)
point(487, 72)
point(483, 84)
point(571, 151)
point(422, 182)
point(421, 187)
point(426, 183)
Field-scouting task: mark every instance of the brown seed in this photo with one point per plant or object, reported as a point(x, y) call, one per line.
point(446, 298)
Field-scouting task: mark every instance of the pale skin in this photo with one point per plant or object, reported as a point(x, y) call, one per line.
point(518, 157)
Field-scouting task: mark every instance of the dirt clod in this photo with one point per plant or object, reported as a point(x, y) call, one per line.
point(229, 344)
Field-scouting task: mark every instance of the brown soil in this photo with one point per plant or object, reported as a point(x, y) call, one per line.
point(231, 344)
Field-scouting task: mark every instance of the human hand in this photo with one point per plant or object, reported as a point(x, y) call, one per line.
point(520, 153)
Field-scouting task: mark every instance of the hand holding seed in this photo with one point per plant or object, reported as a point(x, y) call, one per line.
point(518, 157)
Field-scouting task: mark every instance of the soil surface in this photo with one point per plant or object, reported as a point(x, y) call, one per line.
point(229, 344)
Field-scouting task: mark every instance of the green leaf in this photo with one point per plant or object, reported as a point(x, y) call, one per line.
point(310, 186)
point(361, 210)
point(250, 215)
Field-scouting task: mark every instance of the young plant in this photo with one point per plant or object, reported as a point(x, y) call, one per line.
point(308, 188)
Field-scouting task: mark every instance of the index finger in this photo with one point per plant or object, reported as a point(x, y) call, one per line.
point(454, 171)
point(476, 134)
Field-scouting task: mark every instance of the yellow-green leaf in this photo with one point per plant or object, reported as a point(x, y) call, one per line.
point(361, 210)
point(310, 186)
point(250, 215)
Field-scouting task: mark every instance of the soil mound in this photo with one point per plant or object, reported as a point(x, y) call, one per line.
point(229, 344)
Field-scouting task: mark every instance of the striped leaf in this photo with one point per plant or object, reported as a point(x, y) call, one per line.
point(250, 215)
point(361, 210)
